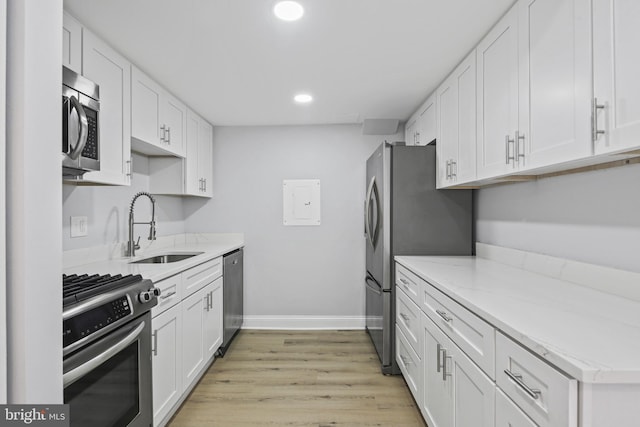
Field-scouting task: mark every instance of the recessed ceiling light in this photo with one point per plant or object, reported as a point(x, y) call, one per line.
point(303, 98)
point(288, 10)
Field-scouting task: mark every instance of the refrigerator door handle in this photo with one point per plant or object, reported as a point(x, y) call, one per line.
point(376, 229)
point(375, 288)
point(367, 219)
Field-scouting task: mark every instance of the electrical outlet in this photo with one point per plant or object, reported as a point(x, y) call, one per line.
point(79, 226)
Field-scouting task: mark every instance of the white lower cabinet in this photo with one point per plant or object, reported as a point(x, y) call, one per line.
point(455, 392)
point(193, 310)
point(212, 337)
point(166, 361)
point(187, 331)
point(508, 414)
point(548, 396)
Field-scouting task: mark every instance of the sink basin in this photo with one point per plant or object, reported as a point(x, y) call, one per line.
point(166, 258)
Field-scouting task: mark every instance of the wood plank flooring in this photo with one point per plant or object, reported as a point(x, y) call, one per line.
point(299, 378)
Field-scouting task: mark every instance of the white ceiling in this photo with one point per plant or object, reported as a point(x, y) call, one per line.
point(236, 64)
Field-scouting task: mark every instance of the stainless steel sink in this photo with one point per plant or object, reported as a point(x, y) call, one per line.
point(166, 258)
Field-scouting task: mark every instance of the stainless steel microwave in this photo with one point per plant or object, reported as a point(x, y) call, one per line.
point(80, 125)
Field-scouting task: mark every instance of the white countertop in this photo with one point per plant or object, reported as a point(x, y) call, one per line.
point(212, 246)
point(591, 335)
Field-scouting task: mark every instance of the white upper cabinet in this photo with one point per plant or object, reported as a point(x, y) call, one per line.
point(427, 122)
point(555, 82)
point(94, 59)
point(411, 130)
point(534, 88)
point(158, 119)
point(71, 43)
point(497, 107)
point(456, 125)
point(616, 72)
point(111, 71)
point(193, 175)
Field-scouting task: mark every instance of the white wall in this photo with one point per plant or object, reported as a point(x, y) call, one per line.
point(107, 210)
point(592, 217)
point(34, 264)
point(292, 271)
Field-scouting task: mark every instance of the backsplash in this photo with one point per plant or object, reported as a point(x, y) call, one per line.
point(107, 211)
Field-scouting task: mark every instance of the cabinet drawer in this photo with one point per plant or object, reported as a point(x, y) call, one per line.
point(472, 334)
point(408, 319)
point(409, 364)
point(508, 414)
point(170, 294)
point(201, 275)
point(408, 282)
point(545, 394)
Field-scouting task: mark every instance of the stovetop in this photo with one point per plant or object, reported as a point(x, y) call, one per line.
point(76, 288)
point(95, 305)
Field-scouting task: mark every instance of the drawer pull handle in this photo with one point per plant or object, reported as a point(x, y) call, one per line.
point(405, 317)
point(405, 361)
point(405, 282)
point(517, 378)
point(439, 349)
point(169, 295)
point(444, 316)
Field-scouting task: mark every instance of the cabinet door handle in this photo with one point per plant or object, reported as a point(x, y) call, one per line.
point(594, 114)
point(444, 365)
point(205, 184)
point(507, 142)
point(129, 163)
point(444, 315)
point(454, 169)
point(155, 343)
point(438, 360)
point(448, 173)
point(168, 135)
point(163, 129)
point(206, 306)
point(405, 361)
point(517, 378)
point(519, 154)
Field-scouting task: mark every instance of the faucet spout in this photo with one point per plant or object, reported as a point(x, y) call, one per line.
point(131, 244)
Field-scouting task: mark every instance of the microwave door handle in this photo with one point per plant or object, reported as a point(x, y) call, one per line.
point(76, 373)
point(84, 128)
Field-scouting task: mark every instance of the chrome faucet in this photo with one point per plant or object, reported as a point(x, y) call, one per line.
point(131, 245)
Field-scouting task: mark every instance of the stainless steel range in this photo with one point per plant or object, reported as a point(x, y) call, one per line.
point(107, 349)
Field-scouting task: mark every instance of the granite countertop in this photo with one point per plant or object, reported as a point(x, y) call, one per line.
point(591, 335)
point(211, 246)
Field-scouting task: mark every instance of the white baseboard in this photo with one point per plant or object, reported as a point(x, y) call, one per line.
point(304, 322)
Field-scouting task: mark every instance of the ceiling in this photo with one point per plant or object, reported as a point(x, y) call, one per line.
point(235, 63)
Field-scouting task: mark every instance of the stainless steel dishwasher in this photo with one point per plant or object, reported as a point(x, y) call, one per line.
point(232, 297)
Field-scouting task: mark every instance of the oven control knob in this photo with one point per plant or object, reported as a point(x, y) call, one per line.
point(145, 296)
point(156, 291)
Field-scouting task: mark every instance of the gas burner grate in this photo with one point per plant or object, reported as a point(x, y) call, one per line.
point(78, 287)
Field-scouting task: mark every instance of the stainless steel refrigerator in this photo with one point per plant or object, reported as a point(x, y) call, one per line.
point(406, 215)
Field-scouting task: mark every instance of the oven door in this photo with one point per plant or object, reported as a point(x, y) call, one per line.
point(108, 382)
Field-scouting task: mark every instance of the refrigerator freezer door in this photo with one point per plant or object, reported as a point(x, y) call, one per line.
point(378, 322)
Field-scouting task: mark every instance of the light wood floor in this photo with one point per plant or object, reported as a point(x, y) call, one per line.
point(292, 378)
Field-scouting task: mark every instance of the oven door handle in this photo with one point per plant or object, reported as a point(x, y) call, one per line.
point(76, 373)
